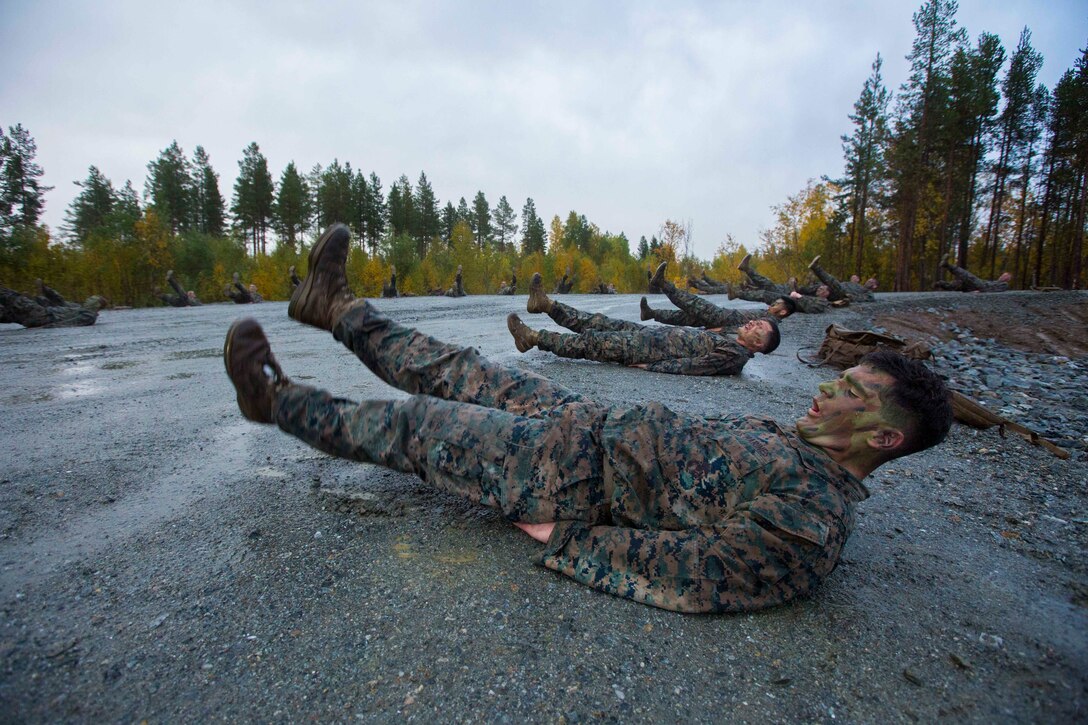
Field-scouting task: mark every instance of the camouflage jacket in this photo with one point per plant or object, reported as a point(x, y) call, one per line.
point(709, 515)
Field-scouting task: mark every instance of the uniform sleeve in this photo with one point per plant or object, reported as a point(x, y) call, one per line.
point(756, 559)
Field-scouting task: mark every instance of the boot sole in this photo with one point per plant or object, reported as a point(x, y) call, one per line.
point(294, 308)
point(245, 405)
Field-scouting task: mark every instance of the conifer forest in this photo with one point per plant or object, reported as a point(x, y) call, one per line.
point(971, 157)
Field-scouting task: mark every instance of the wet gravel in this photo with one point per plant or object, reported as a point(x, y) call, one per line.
point(162, 559)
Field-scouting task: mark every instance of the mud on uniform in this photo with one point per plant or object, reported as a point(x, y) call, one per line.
point(678, 350)
point(681, 512)
point(696, 312)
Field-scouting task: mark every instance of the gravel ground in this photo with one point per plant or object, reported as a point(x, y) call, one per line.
point(163, 559)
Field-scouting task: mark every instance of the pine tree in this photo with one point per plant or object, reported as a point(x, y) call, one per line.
point(506, 223)
point(333, 196)
point(126, 212)
point(449, 221)
point(169, 187)
point(974, 98)
point(480, 220)
point(922, 116)
point(92, 208)
point(643, 248)
point(464, 214)
point(293, 210)
point(1018, 89)
point(864, 151)
point(375, 214)
point(253, 198)
point(427, 218)
point(21, 193)
point(401, 207)
point(208, 206)
point(360, 202)
point(533, 233)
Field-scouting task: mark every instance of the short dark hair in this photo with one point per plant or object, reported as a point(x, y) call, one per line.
point(774, 338)
point(920, 393)
point(788, 303)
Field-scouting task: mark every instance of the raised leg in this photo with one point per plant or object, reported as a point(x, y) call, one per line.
point(578, 321)
point(707, 313)
point(417, 363)
point(833, 284)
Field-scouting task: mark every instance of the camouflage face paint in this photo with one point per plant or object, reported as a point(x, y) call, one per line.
point(847, 411)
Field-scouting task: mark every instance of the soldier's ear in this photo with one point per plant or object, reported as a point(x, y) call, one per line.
point(886, 439)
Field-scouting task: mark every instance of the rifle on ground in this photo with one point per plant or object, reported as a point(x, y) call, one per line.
point(975, 415)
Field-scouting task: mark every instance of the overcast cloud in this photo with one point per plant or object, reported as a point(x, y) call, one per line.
point(628, 112)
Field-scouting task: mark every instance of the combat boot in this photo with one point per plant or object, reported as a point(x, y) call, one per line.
point(814, 262)
point(525, 338)
point(658, 280)
point(256, 375)
point(538, 298)
point(324, 295)
point(743, 266)
point(644, 311)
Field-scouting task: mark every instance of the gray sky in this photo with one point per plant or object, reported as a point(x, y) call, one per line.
point(628, 112)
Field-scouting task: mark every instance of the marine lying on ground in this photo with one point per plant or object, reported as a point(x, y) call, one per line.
point(677, 350)
point(181, 297)
point(565, 285)
point(295, 281)
point(509, 289)
point(603, 289)
point(966, 282)
point(458, 289)
point(389, 290)
point(762, 289)
point(677, 511)
point(242, 295)
point(47, 309)
point(851, 291)
point(697, 312)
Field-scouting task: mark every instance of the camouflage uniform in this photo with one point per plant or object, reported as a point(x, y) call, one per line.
point(851, 291)
point(765, 283)
point(509, 289)
point(180, 298)
point(675, 511)
point(677, 350)
point(390, 290)
point(29, 312)
point(967, 282)
point(458, 289)
point(696, 312)
point(805, 303)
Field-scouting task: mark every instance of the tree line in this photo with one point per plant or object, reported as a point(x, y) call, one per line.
point(972, 157)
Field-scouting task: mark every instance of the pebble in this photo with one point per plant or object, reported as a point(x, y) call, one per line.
point(1046, 393)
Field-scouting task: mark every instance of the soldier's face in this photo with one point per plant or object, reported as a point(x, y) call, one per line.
point(754, 334)
point(849, 412)
point(778, 309)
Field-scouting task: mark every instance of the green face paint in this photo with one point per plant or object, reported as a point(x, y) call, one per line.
point(847, 411)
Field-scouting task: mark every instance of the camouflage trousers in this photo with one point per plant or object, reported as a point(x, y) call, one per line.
point(842, 290)
point(28, 312)
point(498, 436)
point(697, 312)
point(972, 283)
point(766, 284)
point(606, 339)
